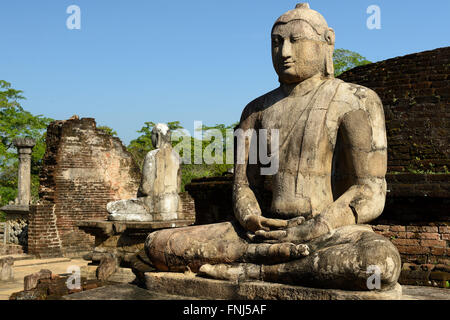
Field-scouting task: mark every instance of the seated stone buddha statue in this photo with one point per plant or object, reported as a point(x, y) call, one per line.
point(330, 182)
point(157, 198)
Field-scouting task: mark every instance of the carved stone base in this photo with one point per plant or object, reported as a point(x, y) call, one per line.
point(190, 285)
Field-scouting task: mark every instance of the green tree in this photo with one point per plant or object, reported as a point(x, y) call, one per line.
point(193, 171)
point(108, 130)
point(345, 60)
point(17, 122)
point(142, 145)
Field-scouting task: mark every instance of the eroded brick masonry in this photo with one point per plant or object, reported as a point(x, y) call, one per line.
point(83, 169)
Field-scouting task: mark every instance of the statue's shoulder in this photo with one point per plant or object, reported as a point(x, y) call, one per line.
point(260, 103)
point(151, 155)
point(353, 96)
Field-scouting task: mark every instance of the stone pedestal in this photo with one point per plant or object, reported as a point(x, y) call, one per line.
point(193, 286)
point(20, 210)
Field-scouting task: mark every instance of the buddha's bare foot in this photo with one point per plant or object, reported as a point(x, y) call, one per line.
point(275, 253)
point(235, 272)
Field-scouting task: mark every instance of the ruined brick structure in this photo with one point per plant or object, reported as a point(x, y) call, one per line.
point(83, 169)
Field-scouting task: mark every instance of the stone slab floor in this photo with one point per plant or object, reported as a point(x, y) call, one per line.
point(25, 267)
point(131, 292)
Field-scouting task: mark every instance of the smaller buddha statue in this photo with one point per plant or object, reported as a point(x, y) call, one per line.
point(157, 198)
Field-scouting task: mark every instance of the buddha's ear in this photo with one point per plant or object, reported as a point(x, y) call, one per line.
point(329, 66)
point(329, 38)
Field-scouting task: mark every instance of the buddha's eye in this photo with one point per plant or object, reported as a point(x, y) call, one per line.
point(295, 39)
point(276, 42)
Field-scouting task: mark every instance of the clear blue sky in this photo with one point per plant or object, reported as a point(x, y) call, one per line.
point(152, 60)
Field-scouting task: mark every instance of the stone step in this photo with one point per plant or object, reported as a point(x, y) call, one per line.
point(34, 262)
point(197, 287)
point(122, 275)
point(122, 291)
point(19, 257)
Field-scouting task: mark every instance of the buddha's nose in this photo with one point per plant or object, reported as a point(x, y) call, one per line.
point(286, 50)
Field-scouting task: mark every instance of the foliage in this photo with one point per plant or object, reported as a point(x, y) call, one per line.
point(345, 60)
point(107, 130)
point(17, 122)
point(142, 145)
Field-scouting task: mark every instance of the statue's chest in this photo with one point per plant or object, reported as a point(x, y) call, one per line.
point(286, 120)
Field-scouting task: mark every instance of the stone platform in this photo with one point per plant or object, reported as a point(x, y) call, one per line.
point(122, 291)
point(109, 228)
point(194, 286)
point(16, 209)
point(123, 239)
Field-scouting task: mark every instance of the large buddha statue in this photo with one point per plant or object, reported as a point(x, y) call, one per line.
point(330, 181)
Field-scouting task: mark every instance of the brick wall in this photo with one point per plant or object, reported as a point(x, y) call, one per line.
point(424, 250)
point(188, 206)
point(83, 169)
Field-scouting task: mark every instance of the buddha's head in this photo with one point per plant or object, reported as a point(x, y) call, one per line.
point(160, 135)
point(302, 45)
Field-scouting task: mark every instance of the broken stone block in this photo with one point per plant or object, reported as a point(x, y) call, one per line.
point(31, 281)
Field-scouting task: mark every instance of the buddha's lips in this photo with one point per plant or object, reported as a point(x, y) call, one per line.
point(288, 64)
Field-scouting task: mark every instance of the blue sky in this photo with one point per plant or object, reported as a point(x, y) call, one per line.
point(152, 60)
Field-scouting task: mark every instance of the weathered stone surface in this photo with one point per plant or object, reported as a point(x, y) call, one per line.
point(194, 286)
point(24, 148)
point(54, 287)
point(327, 172)
point(158, 197)
point(123, 239)
point(424, 293)
point(11, 249)
point(121, 292)
point(35, 294)
point(129, 210)
point(31, 281)
point(108, 265)
point(6, 269)
point(121, 275)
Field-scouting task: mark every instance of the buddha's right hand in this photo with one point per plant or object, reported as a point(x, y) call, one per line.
point(254, 223)
point(295, 222)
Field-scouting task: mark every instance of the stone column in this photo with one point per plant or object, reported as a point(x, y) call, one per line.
point(24, 148)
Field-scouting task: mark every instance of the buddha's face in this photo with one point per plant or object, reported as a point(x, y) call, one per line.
point(155, 139)
point(160, 137)
point(298, 52)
